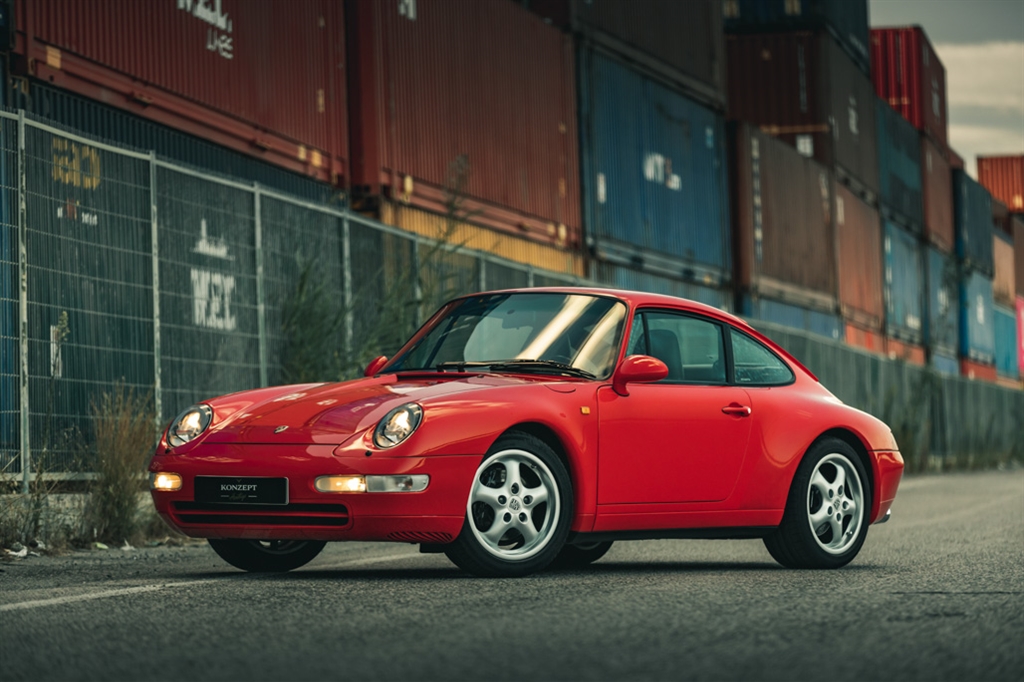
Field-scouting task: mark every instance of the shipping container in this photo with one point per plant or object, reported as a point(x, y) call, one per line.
point(944, 364)
point(786, 314)
point(264, 78)
point(899, 167)
point(1004, 289)
point(942, 330)
point(846, 20)
point(782, 204)
point(679, 42)
point(910, 77)
point(904, 284)
point(1003, 176)
point(1006, 342)
point(977, 328)
point(472, 103)
point(654, 172)
point(978, 371)
point(897, 349)
point(937, 195)
point(871, 340)
point(463, 234)
point(621, 277)
point(124, 128)
point(1020, 334)
point(972, 217)
point(859, 238)
point(803, 88)
point(1017, 223)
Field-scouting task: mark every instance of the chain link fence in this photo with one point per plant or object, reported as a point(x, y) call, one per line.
point(118, 266)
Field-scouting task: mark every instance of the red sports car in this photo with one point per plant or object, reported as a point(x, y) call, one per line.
point(522, 429)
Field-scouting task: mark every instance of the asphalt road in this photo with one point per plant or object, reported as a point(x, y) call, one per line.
point(936, 594)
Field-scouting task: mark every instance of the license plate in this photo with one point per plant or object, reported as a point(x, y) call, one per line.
point(241, 490)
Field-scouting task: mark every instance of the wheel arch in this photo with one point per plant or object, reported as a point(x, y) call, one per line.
point(854, 441)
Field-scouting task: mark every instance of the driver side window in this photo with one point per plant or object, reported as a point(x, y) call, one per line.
point(692, 348)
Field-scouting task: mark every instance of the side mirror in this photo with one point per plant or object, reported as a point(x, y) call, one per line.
point(375, 365)
point(638, 368)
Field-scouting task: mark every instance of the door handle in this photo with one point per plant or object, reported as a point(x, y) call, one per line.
point(737, 409)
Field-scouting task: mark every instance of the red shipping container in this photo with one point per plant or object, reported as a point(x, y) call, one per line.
point(937, 193)
point(803, 88)
point(866, 339)
point(978, 371)
point(908, 352)
point(1017, 225)
point(682, 42)
point(485, 90)
point(1003, 176)
point(859, 237)
point(909, 76)
point(265, 78)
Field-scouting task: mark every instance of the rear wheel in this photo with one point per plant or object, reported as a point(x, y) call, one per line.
point(267, 556)
point(826, 517)
point(580, 556)
point(518, 512)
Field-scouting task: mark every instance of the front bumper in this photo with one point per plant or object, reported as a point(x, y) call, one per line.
point(434, 515)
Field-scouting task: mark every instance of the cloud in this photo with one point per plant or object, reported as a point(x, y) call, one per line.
point(969, 141)
point(985, 75)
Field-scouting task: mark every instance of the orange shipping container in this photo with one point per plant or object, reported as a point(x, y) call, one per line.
point(1003, 176)
point(866, 339)
point(908, 352)
point(859, 234)
point(976, 370)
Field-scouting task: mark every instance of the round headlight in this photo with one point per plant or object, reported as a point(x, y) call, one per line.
point(397, 425)
point(189, 425)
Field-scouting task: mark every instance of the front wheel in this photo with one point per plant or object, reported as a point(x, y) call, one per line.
point(518, 512)
point(267, 556)
point(826, 517)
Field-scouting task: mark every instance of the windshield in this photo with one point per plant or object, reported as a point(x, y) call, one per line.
point(523, 332)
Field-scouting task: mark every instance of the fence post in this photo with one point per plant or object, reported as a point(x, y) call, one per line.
point(26, 443)
point(261, 308)
point(346, 282)
point(481, 284)
point(154, 227)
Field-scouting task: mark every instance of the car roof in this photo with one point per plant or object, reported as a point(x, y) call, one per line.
point(635, 299)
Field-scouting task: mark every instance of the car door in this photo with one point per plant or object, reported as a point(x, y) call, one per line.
point(682, 439)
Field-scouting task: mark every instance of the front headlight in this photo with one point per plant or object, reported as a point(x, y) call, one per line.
point(189, 425)
point(397, 425)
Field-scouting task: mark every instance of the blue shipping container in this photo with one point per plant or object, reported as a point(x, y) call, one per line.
point(655, 176)
point(977, 326)
point(945, 364)
point(789, 315)
point(942, 324)
point(904, 284)
point(621, 277)
point(972, 219)
point(846, 20)
point(899, 165)
point(1006, 342)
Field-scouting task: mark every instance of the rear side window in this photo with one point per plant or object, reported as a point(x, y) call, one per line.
point(755, 365)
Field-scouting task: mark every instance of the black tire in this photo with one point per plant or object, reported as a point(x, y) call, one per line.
point(825, 524)
point(579, 556)
point(507, 531)
point(267, 556)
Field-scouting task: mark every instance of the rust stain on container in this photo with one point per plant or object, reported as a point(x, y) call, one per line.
point(461, 233)
point(472, 96)
point(230, 72)
point(1003, 176)
point(908, 75)
point(859, 237)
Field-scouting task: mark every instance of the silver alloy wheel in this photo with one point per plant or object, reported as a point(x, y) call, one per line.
point(835, 501)
point(513, 505)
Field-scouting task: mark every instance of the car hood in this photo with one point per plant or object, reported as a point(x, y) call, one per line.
point(331, 413)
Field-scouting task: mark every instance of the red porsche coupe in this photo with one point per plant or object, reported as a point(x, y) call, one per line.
point(524, 429)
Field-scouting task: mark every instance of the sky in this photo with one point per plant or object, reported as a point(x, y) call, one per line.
point(981, 44)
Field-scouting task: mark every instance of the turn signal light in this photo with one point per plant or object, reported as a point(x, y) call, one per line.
point(165, 481)
point(340, 484)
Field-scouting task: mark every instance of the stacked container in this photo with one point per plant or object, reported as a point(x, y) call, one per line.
point(266, 79)
point(909, 76)
point(1003, 176)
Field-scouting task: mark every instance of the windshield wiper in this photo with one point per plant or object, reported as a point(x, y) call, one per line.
point(519, 366)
